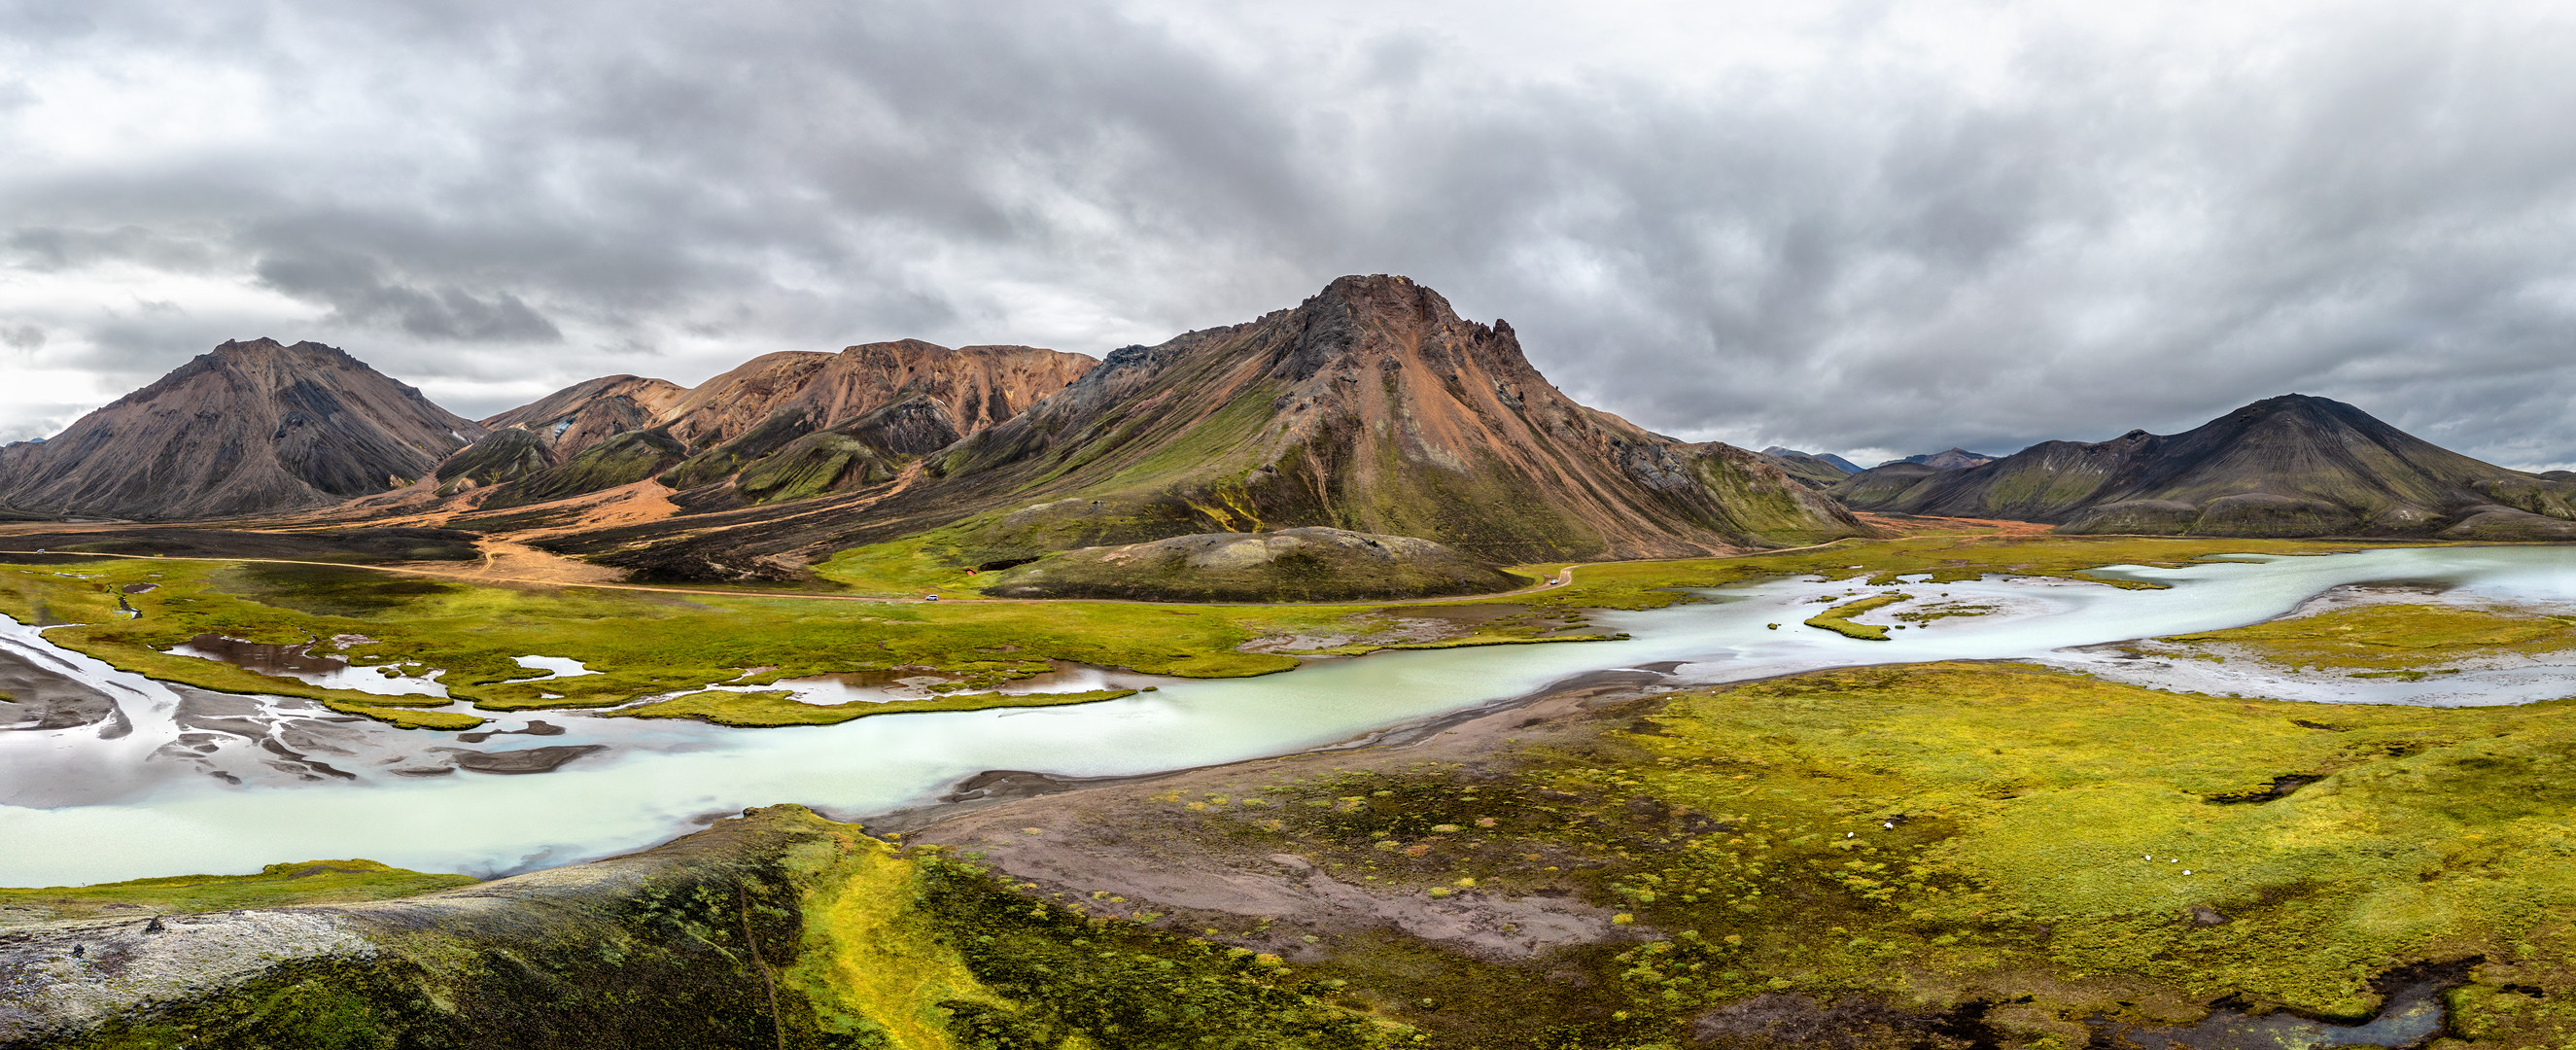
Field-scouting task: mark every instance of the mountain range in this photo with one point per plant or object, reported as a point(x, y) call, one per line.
point(2293, 465)
point(1371, 409)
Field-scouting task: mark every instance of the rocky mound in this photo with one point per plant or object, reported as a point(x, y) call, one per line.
point(249, 428)
point(1303, 564)
point(2287, 466)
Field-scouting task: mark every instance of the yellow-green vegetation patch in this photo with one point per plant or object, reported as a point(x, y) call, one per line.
point(1839, 618)
point(1947, 834)
point(2402, 640)
point(781, 708)
point(909, 567)
point(911, 950)
point(277, 885)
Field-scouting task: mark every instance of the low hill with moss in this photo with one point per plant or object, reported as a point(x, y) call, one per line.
point(1307, 564)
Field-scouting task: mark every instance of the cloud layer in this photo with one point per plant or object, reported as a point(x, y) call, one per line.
point(1867, 228)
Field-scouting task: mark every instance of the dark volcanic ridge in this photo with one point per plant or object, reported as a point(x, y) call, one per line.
point(2287, 466)
point(248, 428)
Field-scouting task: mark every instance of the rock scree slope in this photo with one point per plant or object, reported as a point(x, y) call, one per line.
point(247, 428)
point(2292, 465)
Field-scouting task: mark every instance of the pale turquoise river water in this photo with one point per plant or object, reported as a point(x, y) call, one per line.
point(84, 805)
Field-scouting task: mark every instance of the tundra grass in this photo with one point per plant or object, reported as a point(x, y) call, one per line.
point(768, 709)
point(277, 885)
point(2396, 638)
point(1839, 618)
point(1947, 834)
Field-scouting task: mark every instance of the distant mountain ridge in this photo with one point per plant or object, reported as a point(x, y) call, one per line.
point(2293, 465)
point(252, 427)
point(1817, 470)
point(781, 426)
point(1946, 459)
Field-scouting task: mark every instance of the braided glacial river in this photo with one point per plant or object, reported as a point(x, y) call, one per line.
point(183, 781)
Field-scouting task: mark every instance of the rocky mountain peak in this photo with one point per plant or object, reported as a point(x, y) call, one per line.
point(246, 428)
point(1357, 321)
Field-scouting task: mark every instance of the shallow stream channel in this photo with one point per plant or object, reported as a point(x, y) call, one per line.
point(140, 793)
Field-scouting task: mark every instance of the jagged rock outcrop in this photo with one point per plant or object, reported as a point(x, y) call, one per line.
point(2286, 466)
point(248, 428)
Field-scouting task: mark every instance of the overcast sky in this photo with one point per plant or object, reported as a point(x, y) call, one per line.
point(1866, 228)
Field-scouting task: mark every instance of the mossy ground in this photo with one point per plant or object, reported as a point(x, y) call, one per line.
point(2396, 638)
point(2042, 827)
point(767, 709)
point(1839, 618)
point(278, 885)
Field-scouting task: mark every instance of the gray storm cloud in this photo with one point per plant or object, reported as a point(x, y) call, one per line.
point(1857, 228)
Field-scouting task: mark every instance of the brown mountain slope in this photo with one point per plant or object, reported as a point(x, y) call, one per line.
point(977, 385)
point(1371, 408)
point(248, 428)
point(800, 423)
point(585, 414)
point(2286, 466)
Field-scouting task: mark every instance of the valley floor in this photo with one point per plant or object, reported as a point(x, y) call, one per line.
point(1925, 855)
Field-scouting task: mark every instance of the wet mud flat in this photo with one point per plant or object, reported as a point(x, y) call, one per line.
point(301, 662)
point(353, 546)
point(2411, 1014)
point(42, 697)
